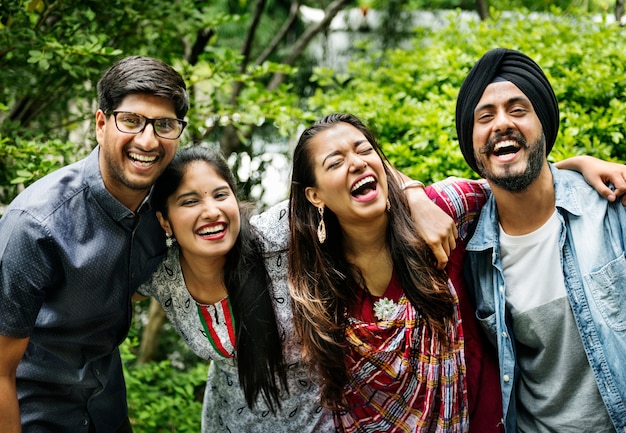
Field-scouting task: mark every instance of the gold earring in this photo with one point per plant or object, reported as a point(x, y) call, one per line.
point(321, 228)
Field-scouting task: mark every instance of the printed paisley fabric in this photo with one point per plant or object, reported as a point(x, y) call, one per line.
point(225, 408)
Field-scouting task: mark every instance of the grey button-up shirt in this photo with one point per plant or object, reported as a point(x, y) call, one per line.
point(71, 256)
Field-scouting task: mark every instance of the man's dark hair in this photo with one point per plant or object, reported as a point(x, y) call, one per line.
point(142, 75)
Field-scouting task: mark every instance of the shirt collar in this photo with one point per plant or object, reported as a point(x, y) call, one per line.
point(105, 199)
point(487, 229)
point(565, 193)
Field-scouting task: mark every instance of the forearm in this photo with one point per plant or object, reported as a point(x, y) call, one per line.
point(9, 407)
point(575, 163)
point(431, 223)
point(11, 352)
point(599, 174)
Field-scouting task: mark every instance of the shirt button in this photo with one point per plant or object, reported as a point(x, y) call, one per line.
point(505, 335)
point(85, 422)
point(506, 378)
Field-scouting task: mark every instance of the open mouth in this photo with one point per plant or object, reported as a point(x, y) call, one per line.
point(143, 160)
point(363, 186)
point(506, 147)
point(211, 230)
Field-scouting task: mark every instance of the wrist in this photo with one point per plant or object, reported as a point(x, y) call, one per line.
point(412, 184)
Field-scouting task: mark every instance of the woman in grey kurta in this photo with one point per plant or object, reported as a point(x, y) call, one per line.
point(210, 329)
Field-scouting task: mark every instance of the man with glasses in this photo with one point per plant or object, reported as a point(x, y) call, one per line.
point(133, 123)
point(74, 246)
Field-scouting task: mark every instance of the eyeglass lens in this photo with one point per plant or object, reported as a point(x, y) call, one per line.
point(132, 123)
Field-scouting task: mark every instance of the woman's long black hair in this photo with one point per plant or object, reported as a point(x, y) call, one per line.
point(258, 348)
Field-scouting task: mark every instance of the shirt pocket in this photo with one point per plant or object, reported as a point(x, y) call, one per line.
point(489, 324)
point(608, 289)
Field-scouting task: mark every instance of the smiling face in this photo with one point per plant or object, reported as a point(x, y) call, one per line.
point(508, 139)
point(350, 175)
point(130, 163)
point(203, 213)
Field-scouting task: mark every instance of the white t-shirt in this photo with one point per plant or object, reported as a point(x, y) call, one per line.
point(532, 267)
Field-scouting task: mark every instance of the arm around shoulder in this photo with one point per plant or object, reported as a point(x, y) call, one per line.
point(273, 226)
point(599, 174)
point(462, 199)
point(434, 226)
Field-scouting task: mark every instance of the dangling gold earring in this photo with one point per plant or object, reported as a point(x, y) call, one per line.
point(321, 228)
point(388, 206)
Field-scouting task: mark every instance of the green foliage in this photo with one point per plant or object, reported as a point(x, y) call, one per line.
point(161, 397)
point(53, 53)
point(24, 161)
point(256, 106)
point(580, 6)
point(408, 96)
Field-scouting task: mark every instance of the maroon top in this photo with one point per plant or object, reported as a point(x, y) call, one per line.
point(462, 200)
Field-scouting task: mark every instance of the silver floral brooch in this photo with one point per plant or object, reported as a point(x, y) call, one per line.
point(384, 308)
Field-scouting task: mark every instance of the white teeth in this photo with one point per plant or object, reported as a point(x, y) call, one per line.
point(362, 182)
point(143, 158)
point(507, 143)
point(211, 230)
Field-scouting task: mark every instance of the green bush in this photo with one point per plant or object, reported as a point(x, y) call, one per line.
point(24, 161)
point(408, 96)
point(161, 397)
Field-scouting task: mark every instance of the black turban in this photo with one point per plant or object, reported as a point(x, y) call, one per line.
point(520, 70)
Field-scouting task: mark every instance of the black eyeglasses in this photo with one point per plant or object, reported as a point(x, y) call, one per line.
point(133, 123)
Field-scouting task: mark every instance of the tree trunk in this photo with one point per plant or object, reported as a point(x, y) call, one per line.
point(293, 15)
point(246, 49)
point(151, 333)
point(230, 141)
point(482, 7)
point(619, 11)
point(303, 41)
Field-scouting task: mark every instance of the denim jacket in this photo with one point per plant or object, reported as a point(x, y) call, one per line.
point(592, 237)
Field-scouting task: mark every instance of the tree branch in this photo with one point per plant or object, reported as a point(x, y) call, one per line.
point(619, 11)
point(303, 41)
point(483, 9)
point(247, 46)
point(246, 49)
point(291, 19)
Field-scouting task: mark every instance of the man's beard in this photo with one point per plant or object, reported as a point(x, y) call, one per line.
point(517, 182)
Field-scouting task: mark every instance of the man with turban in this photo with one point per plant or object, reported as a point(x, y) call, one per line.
point(546, 259)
